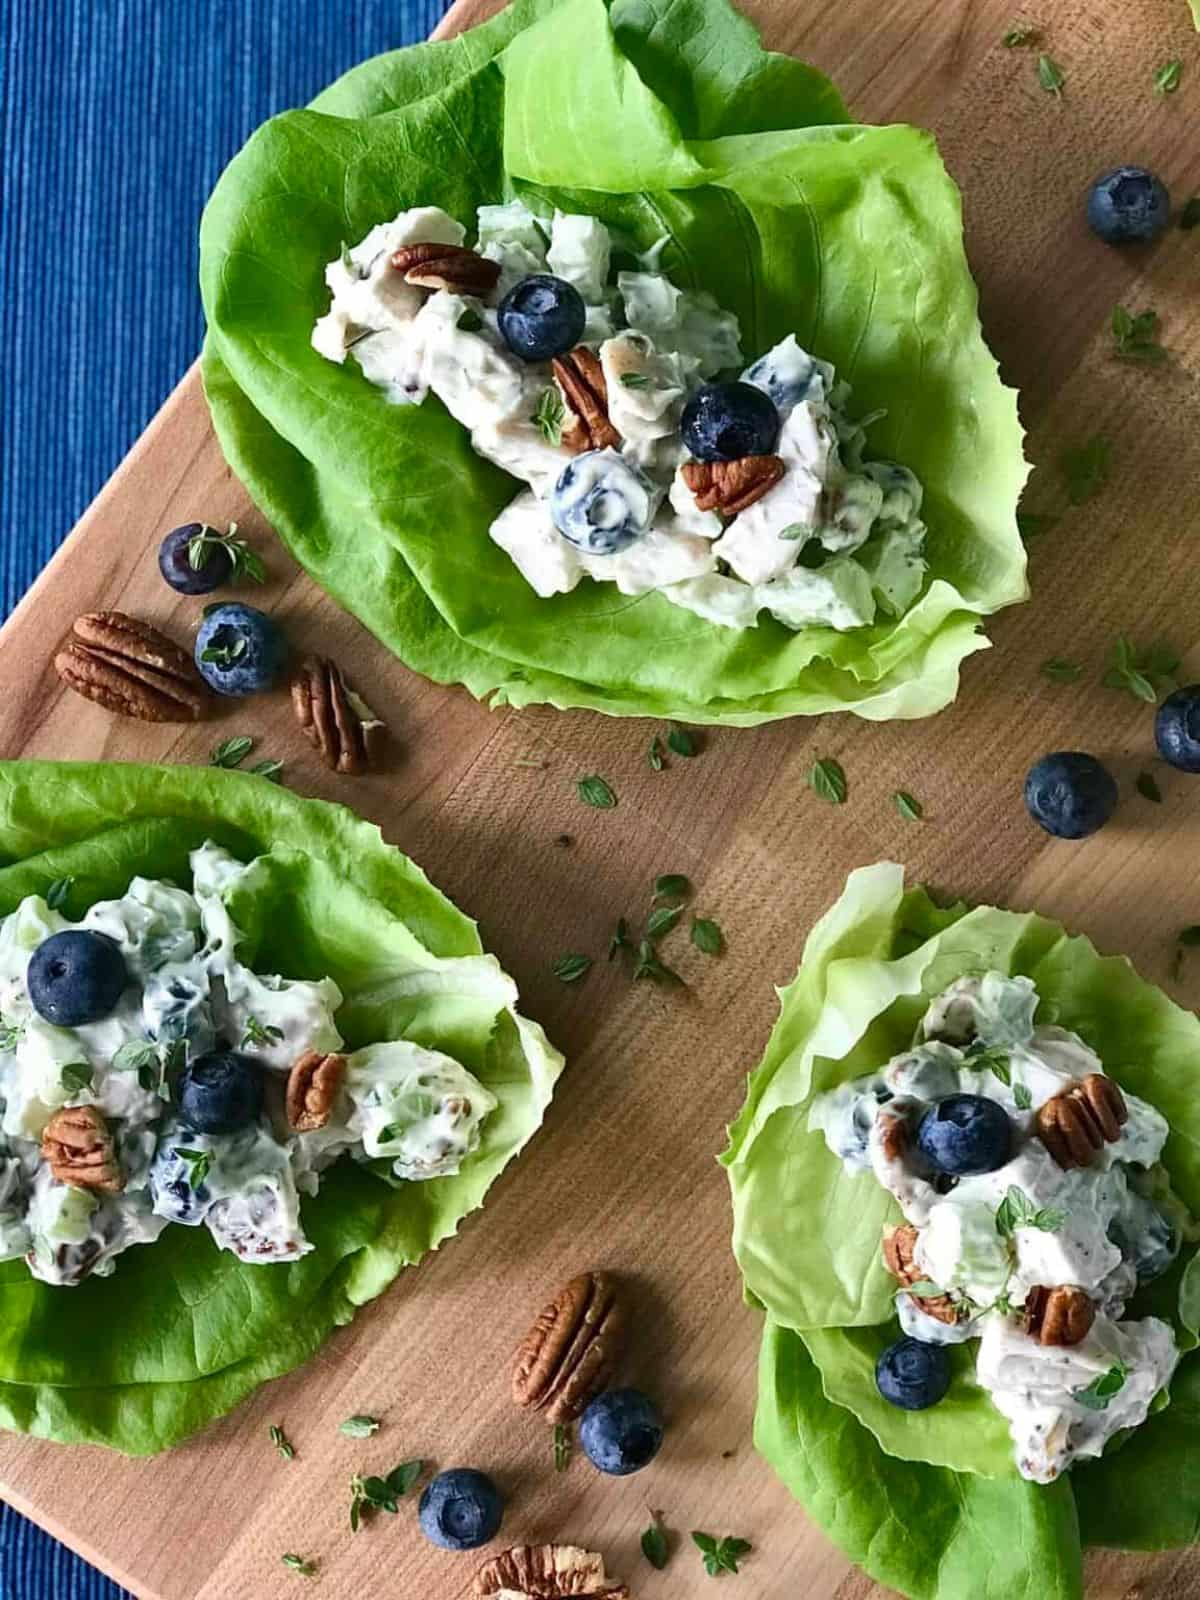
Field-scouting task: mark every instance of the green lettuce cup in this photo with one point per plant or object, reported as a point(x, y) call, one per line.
point(183, 1331)
point(931, 1501)
point(665, 119)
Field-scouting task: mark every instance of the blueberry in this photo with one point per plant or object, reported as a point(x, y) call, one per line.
point(171, 1192)
point(75, 977)
point(1128, 206)
point(602, 503)
point(239, 650)
point(965, 1133)
point(621, 1432)
point(220, 1092)
point(1177, 729)
point(174, 560)
point(1070, 794)
point(542, 316)
point(725, 421)
point(460, 1509)
point(913, 1375)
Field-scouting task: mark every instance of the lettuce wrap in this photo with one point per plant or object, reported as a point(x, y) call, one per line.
point(931, 1502)
point(184, 1331)
point(667, 120)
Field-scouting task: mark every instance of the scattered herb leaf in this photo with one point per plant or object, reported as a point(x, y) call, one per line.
point(593, 791)
point(661, 920)
point(1023, 33)
point(1086, 468)
point(1033, 524)
point(56, 894)
point(270, 770)
point(1060, 671)
point(1135, 336)
point(654, 757)
point(681, 742)
point(1022, 1096)
point(244, 560)
point(1051, 76)
point(720, 1555)
point(1144, 675)
point(275, 1433)
point(469, 322)
point(1166, 77)
point(297, 1564)
point(11, 1034)
point(990, 1058)
point(1147, 786)
point(199, 1164)
point(909, 807)
point(654, 1543)
point(649, 966)
point(77, 1076)
point(224, 655)
point(570, 968)
point(795, 531)
point(550, 416)
point(381, 1494)
point(923, 1289)
point(620, 939)
point(232, 752)
point(707, 936)
point(1189, 217)
point(359, 337)
point(672, 886)
point(1102, 1389)
point(562, 1447)
point(359, 1427)
point(259, 1034)
point(829, 781)
point(634, 380)
point(1017, 1210)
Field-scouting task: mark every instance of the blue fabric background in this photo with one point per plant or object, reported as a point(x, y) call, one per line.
point(117, 116)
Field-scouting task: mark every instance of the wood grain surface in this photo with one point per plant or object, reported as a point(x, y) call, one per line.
point(623, 1174)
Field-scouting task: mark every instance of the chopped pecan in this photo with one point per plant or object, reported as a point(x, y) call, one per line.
point(571, 1351)
point(312, 1088)
point(731, 486)
point(1075, 1124)
point(893, 1134)
point(548, 1572)
point(1060, 1316)
point(580, 377)
point(899, 1246)
point(129, 667)
point(344, 729)
point(79, 1148)
point(446, 266)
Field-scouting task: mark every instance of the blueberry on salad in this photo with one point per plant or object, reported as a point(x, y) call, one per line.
point(603, 503)
point(912, 1375)
point(1177, 729)
point(220, 1092)
point(1128, 205)
point(1070, 794)
point(177, 1189)
point(541, 317)
point(76, 977)
point(621, 1432)
point(725, 421)
point(965, 1133)
point(239, 650)
point(460, 1509)
point(196, 559)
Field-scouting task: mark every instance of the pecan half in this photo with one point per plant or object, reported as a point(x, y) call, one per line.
point(1059, 1316)
point(580, 377)
point(1075, 1124)
point(79, 1148)
point(548, 1572)
point(346, 732)
point(893, 1134)
point(312, 1088)
point(731, 486)
point(446, 266)
point(899, 1246)
point(127, 666)
point(571, 1351)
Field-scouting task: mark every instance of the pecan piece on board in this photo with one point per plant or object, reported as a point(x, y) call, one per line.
point(79, 1148)
point(731, 486)
point(899, 1246)
point(125, 665)
point(446, 266)
point(347, 734)
point(548, 1572)
point(1059, 1316)
point(1077, 1123)
point(571, 1351)
point(580, 378)
point(312, 1089)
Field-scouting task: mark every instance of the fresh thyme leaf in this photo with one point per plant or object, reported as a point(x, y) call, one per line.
point(562, 1447)
point(681, 741)
point(77, 1076)
point(654, 759)
point(1102, 1389)
point(244, 561)
point(275, 1433)
point(654, 1543)
point(594, 791)
point(661, 920)
point(357, 338)
point(56, 894)
point(1166, 77)
point(923, 1289)
point(1189, 217)
point(794, 531)
point(635, 380)
point(1022, 1096)
point(1142, 674)
point(270, 770)
point(232, 752)
point(707, 936)
point(259, 1034)
point(550, 416)
point(1086, 468)
point(11, 1034)
point(1060, 671)
point(829, 781)
point(1023, 33)
point(909, 807)
point(224, 655)
point(199, 1164)
point(1189, 936)
point(620, 939)
point(401, 1479)
point(298, 1564)
point(720, 1555)
point(990, 1058)
point(672, 886)
point(133, 1055)
point(1017, 1210)
point(570, 968)
point(469, 322)
point(1135, 336)
point(1033, 524)
point(649, 966)
point(1147, 786)
point(1051, 76)
point(359, 1427)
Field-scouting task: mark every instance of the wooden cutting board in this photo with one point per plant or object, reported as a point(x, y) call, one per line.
point(623, 1174)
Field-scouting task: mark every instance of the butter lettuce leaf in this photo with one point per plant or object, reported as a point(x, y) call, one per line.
point(668, 120)
point(188, 1330)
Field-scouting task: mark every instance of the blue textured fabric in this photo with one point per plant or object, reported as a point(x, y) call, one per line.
point(116, 117)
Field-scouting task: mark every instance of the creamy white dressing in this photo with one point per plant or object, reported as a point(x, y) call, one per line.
point(1097, 1228)
point(418, 1110)
point(833, 544)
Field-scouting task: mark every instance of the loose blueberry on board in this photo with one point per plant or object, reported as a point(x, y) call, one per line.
point(602, 503)
point(725, 421)
point(239, 650)
point(965, 1133)
point(621, 1432)
point(1070, 794)
point(220, 1092)
point(1177, 729)
point(175, 562)
point(76, 977)
point(1128, 206)
point(541, 317)
point(912, 1375)
point(460, 1509)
